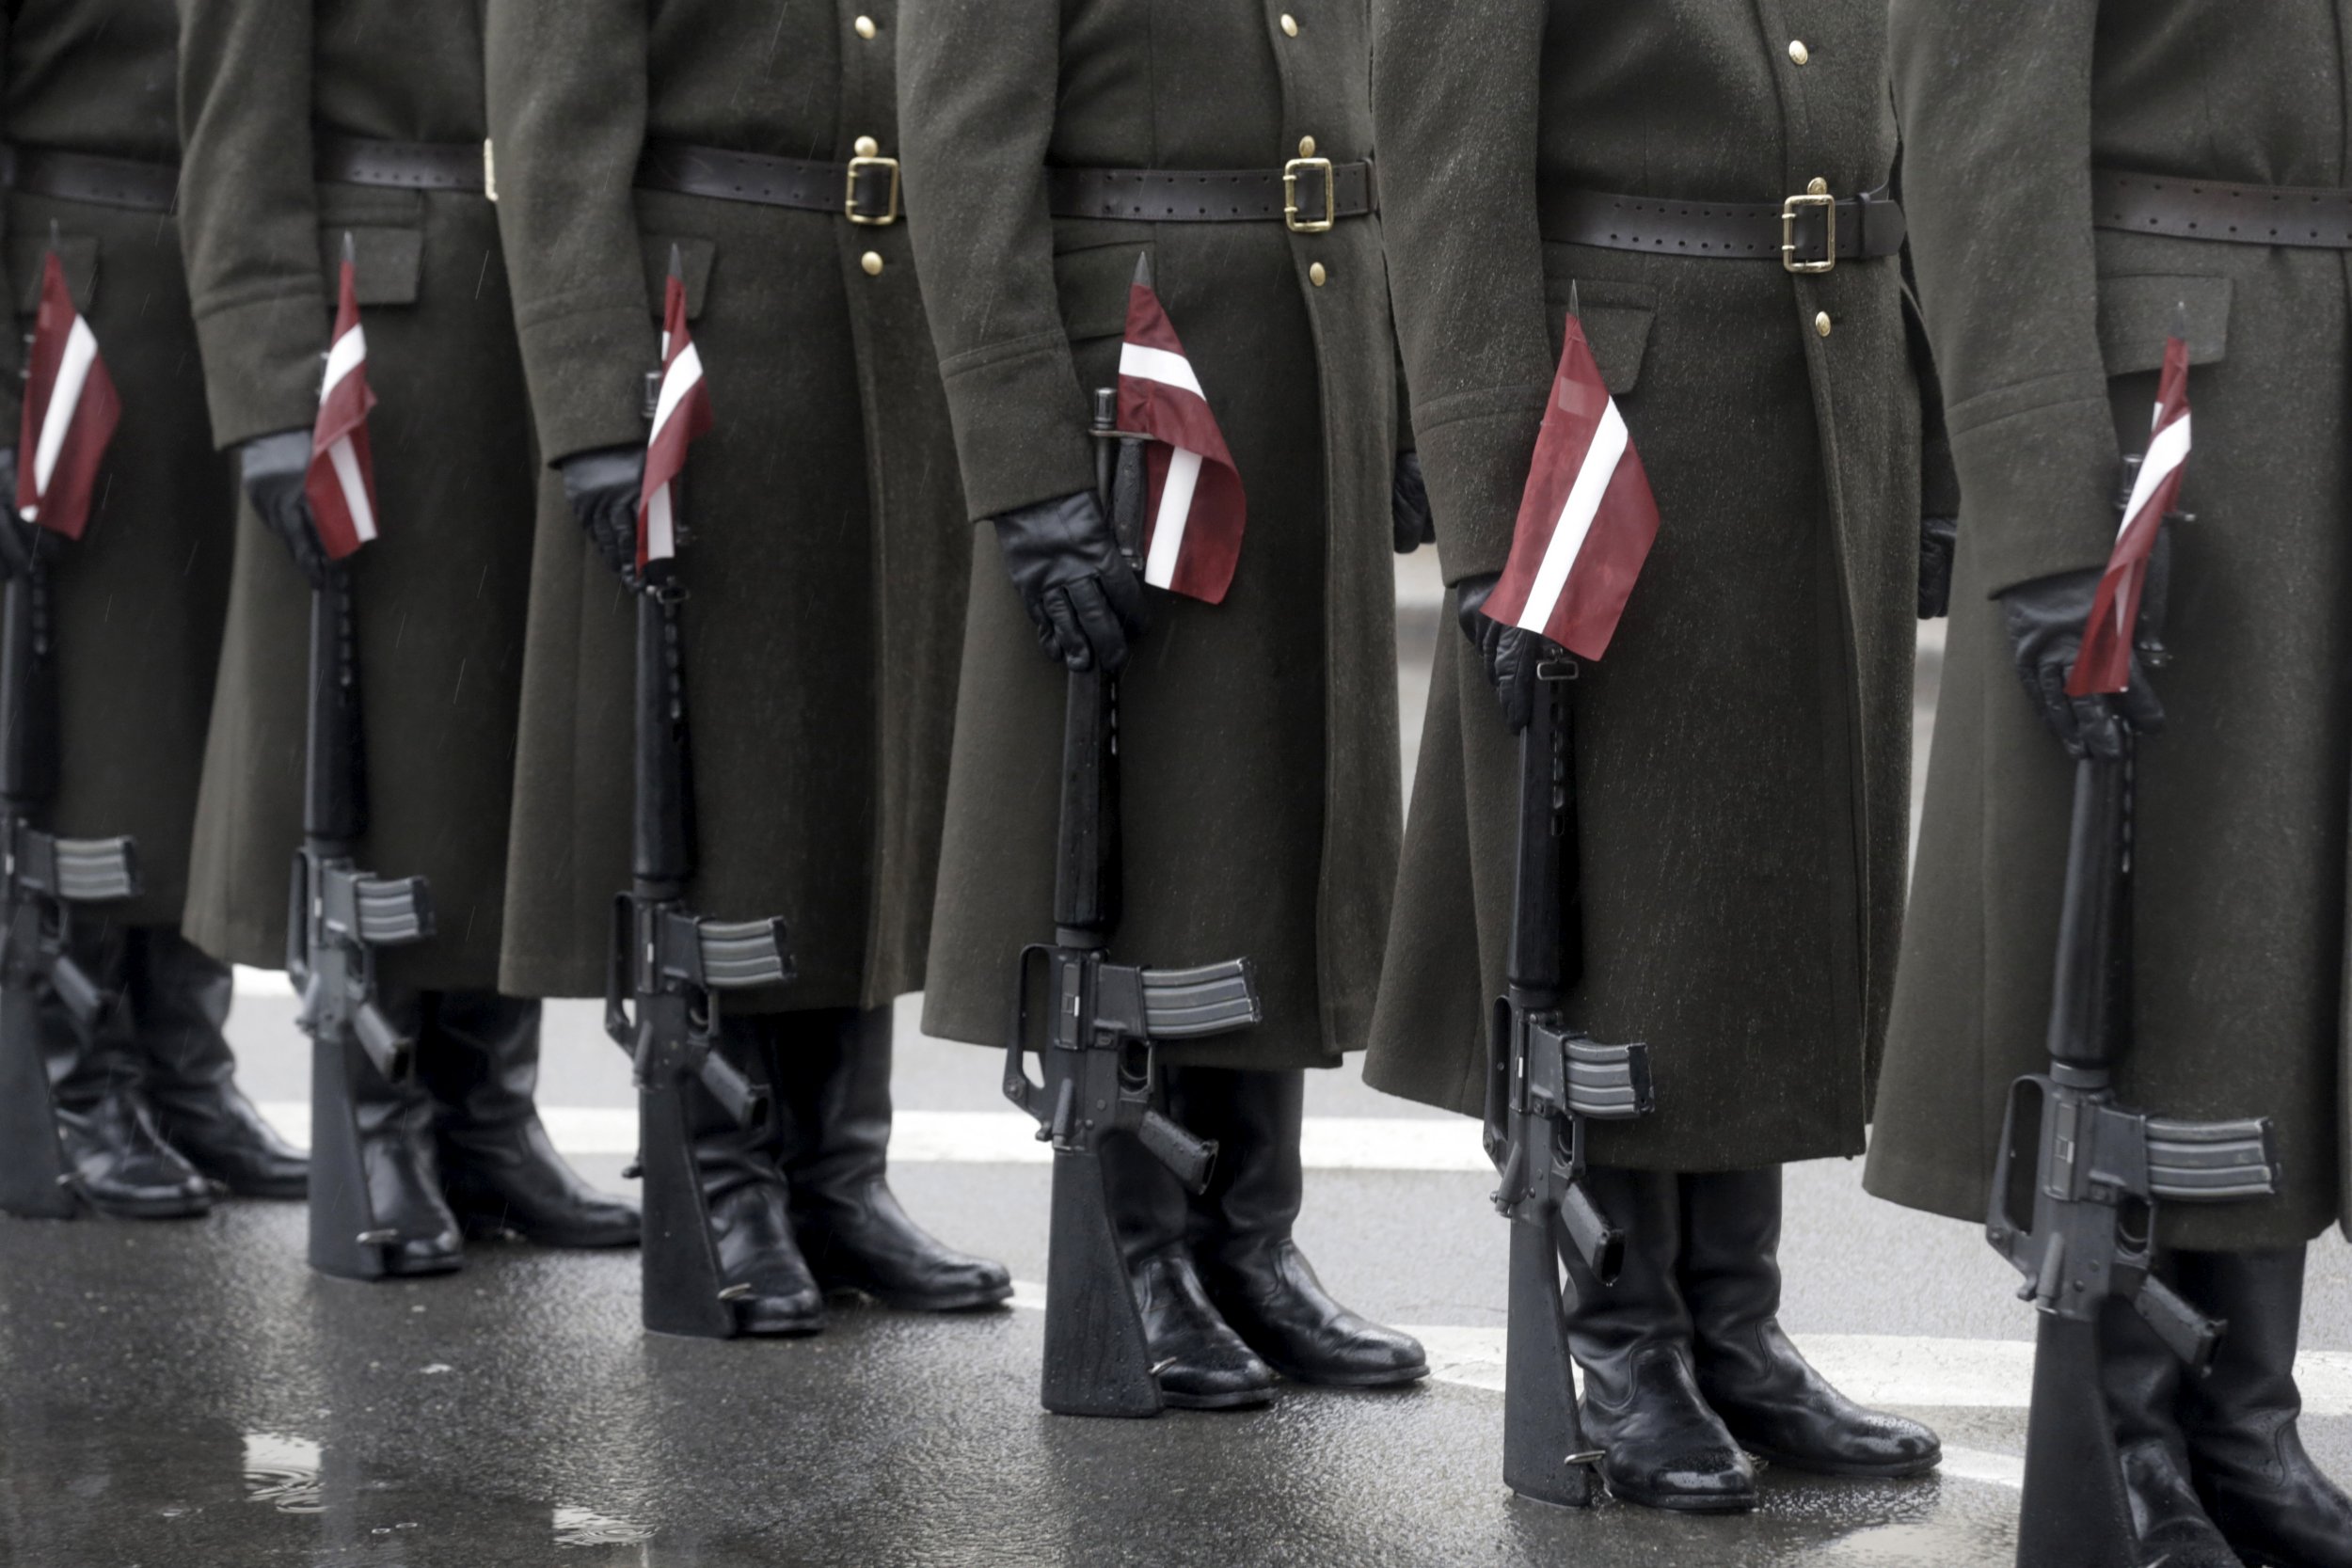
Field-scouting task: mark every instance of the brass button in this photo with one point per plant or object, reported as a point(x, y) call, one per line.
point(1289, 26)
point(1798, 53)
point(864, 25)
point(872, 262)
point(1306, 147)
point(1316, 275)
point(867, 146)
point(1816, 186)
point(1820, 324)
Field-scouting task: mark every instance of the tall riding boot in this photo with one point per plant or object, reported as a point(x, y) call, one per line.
point(751, 1214)
point(1662, 1446)
point(479, 1058)
point(394, 1127)
point(1240, 1233)
point(179, 999)
point(114, 1158)
point(831, 1068)
point(1768, 1397)
point(1199, 1362)
point(2270, 1501)
point(2142, 1379)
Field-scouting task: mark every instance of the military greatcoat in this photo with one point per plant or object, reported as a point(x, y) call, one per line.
point(138, 601)
point(825, 568)
point(441, 594)
point(2049, 330)
point(1257, 736)
point(1743, 747)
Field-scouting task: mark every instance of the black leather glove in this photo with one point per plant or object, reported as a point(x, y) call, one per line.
point(1938, 538)
point(1408, 505)
point(605, 487)
point(2045, 621)
point(271, 469)
point(1085, 600)
point(1509, 655)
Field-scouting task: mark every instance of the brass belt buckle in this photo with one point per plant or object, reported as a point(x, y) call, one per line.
point(1789, 210)
point(1290, 197)
point(856, 213)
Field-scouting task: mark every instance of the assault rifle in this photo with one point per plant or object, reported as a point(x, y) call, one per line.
point(1545, 1080)
point(666, 970)
point(41, 880)
point(2077, 1176)
point(1101, 1078)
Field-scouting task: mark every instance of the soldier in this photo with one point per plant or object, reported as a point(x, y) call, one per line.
point(1046, 147)
point(149, 1111)
point(307, 123)
point(1742, 750)
point(2078, 145)
point(825, 581)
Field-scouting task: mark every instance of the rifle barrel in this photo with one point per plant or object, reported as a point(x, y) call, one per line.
point(2090, 995)
point(334, 805)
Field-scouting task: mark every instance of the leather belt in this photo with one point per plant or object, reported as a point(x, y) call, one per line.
point(130, 182)
point(1790, 232)
point(2315, 216)
point(864, 190)
point(1308, 194)
point(411, 166)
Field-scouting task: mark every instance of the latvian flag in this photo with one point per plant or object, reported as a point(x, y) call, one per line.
point(1192, 534)
point(70, 411)
point(1586, 518)
point(2104, 663)
point(681, 417)
point(342, 480)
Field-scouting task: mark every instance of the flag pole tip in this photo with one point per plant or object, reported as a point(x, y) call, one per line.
point(678, 263)
point(1572, 310)
point(351, 250)
point(1143, 268)
point(2180, 320)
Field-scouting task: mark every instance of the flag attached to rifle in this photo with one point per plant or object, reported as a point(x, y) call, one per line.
point(70, 411)
point(2104, 663)
point(1196, 511)
point(681, 417)
point(342, 480)
point(1586, 517)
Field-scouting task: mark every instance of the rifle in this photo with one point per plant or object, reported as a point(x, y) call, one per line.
point(337, 917)
point(41, 880)
point(666, 970)
point(1545, 1080)
point(1098, 1062)
point(2098, 1171)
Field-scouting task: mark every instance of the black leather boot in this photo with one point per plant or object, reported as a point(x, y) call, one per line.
point(2142, 1379)
point(1241, 1234)
point(1200, 1363)
point(831, 1069)
point(751, 1212)
point(2271, 1504)
point(179, 999)
point(1769, 1398)
point(394, 1127)
point(479, 1058)
point(115, 1159)
point(1662, 1446)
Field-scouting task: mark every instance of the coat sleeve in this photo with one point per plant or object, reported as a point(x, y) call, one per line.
point(977, 86)
point(12, 349)
point(248, 218)
point(567, 113)
point(1994, 99)
point(1455, 101)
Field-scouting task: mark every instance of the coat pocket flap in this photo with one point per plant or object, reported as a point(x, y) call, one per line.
point(77, 253)
point(2137, 313)
point(1093, 286)
point(388, 264)
point(1617, 319)
point(695, 259)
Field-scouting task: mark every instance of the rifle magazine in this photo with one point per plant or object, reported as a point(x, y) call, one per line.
point(95, 870)
point(1189, 1004)
point(739, 955)
point(2210, 1161)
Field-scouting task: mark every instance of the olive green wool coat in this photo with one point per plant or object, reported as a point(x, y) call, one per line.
point(138, 601)
point(2049, 334)
point(441, 594)
point(825, 571)
point(1258, 735)
point(1743, 748)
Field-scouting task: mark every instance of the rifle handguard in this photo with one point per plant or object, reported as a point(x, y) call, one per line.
point(94, 870)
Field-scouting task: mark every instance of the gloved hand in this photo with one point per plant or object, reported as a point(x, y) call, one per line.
point(1938, 538)
point(1085, 600)
point(2045, 621)
point(605, 487)
point(271, 469)
point(1408, 505)
point(1509, 655)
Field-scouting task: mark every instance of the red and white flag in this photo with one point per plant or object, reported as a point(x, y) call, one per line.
point(342, 480)
point(2104, 663)
point(1196, 511)
point(681, 417)
point(70, 411)
point(1586, 517)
